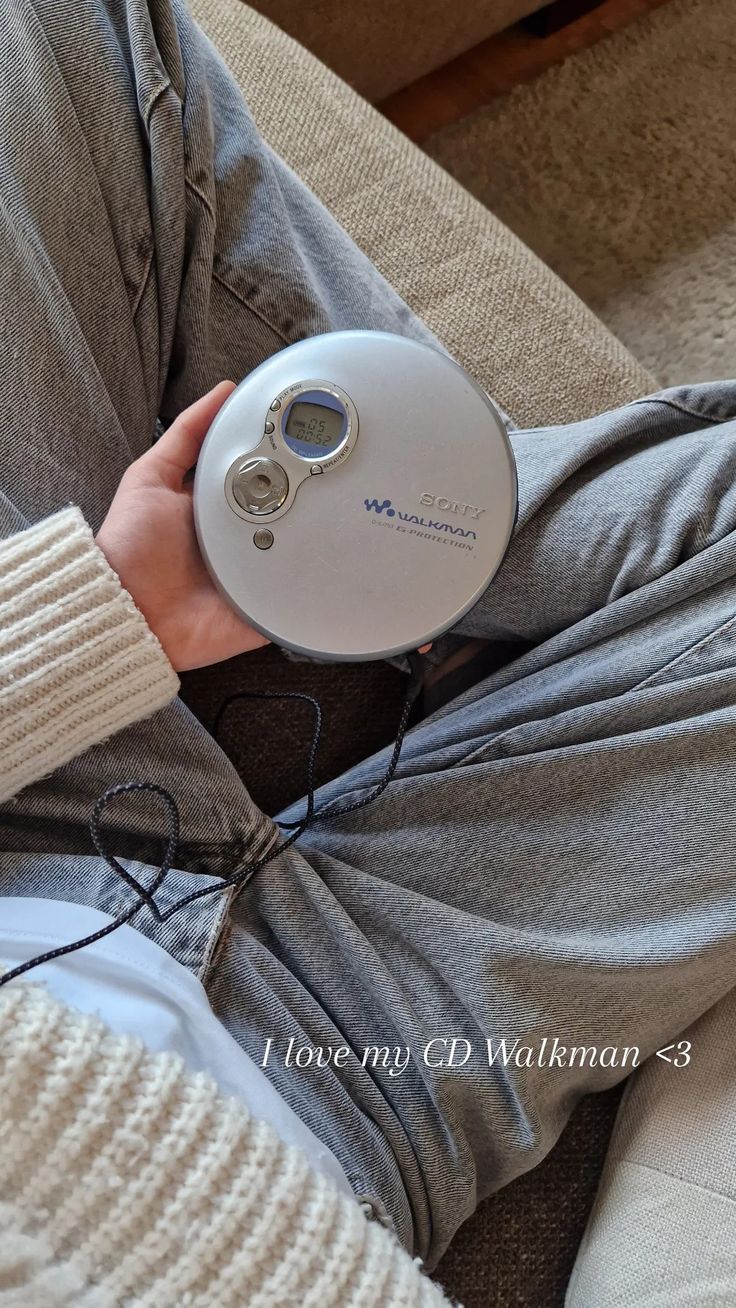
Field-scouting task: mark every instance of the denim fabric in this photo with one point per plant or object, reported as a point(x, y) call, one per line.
point(555, 855)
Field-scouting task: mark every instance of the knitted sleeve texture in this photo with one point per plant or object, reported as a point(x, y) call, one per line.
point(128, 1181)
point(78, 661)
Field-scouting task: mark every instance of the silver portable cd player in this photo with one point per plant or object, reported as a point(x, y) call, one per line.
point(355, 495)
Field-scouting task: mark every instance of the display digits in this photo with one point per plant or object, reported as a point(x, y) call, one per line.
point(322, 428)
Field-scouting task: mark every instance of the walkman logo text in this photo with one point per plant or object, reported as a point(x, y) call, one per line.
point(385, 506)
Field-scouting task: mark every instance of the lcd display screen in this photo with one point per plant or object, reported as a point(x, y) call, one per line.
point(314, 424)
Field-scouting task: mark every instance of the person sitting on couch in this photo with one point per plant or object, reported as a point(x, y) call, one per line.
point(553, 857)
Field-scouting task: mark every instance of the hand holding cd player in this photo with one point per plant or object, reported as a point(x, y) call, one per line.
point(353, 498)
point(355, 495)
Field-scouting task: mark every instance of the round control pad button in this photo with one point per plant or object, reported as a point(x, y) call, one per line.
point(260, 485)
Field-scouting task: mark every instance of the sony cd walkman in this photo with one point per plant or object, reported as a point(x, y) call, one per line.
point(355, 495)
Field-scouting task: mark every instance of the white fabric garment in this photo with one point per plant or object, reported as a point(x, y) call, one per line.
point(136, 988)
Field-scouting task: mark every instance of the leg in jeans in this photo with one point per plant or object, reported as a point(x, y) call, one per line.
point(555, 857)
point(555, 854)
point(151, 244)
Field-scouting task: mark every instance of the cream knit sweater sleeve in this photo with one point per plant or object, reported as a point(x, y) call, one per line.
point(78, 661)
point(127, 1181)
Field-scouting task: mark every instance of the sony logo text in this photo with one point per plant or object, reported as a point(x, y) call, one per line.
point(450, 506)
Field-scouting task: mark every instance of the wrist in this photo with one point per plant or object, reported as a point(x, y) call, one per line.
point(113, 552)
point(76, 656)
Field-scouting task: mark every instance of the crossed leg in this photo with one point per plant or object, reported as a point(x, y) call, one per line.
point(554, 857)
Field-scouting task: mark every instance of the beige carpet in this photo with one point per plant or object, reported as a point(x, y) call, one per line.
point(619, 169)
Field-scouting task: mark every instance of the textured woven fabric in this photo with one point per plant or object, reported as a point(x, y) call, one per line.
point(619, 172)
point(663, 1229)
point(124, 1179)
point(501, 312)
point(381, 46)
point(77, 659)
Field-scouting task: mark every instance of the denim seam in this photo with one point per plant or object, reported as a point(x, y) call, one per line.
point(472, 757)
point(192, 186)
point(153, 100)
point(682, 408)
point(144, 283)
point(219, 922)
point(248, 304)
point(217, 277)
point(687, 653)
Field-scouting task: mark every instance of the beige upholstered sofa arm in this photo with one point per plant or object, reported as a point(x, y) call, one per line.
point(382, 45)
point(663, 1228)
point(504, 315)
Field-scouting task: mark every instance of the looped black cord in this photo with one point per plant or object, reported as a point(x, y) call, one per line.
point(329, 811)
point(172, 844)
point(146, 895)
point(316, 735)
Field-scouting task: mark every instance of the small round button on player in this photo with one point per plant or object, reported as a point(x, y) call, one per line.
point(260, 486)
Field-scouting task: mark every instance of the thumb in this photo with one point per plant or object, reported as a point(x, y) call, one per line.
point(178, 449)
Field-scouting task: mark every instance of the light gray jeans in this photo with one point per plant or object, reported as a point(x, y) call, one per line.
point(556, 855)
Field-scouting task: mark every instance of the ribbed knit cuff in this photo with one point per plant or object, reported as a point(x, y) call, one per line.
point(131, 1180)
point(78, 661)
